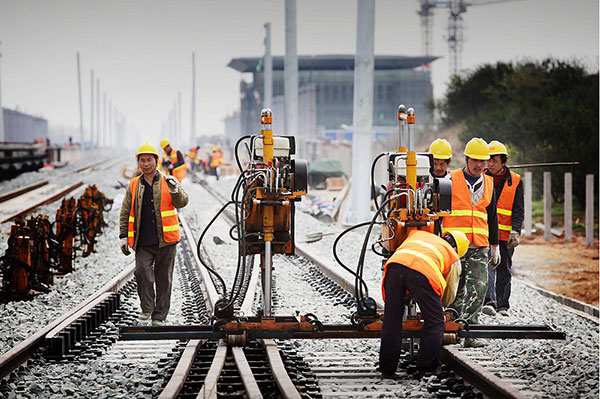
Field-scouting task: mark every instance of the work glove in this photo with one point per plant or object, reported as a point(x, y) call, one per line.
point(494, 256)
point(125, 247)
point(513, 240)
point(173, 184)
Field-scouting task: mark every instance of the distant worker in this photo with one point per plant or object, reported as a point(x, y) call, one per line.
point(428, 267)
point(193, 156)
point(442, 155)
point(215, 160)
point(173, 162)
point(509, 192)
point(474, 213)
point(149, 225)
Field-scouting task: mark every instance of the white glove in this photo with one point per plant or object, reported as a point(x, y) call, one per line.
point(494, 256)
point(173, 184)
point(125, 247)
point(513, 240)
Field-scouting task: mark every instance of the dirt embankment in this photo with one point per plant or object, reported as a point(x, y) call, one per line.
point(567, 268)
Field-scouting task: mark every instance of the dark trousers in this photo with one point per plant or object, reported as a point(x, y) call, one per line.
point(154, 266)
point(398, 279)
point(499, 280)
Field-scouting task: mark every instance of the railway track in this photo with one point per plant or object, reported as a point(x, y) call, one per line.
point(338, 370)
point(263, 368)
point(24, 200)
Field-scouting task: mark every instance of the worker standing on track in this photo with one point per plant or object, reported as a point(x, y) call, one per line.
point(474, 213)
point(215, 160)
point(427, 266)
point(442, 155)
point(173, 162)
point(149, 225)
point(509, 191)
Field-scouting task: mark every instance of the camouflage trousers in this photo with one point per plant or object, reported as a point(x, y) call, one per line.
point(472, 285)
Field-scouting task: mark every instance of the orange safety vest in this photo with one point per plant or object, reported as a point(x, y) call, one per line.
point(216, 159)
point(505, 205)
point(178, 172)
point(466, 217)
point(168, 213)
point(427, 254)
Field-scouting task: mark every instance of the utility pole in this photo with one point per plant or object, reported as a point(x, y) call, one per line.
point(109, 131)
point(81, 138)
point(97, 135)
point(180, 121)
point(193, 116)
point(104, 119)
point(2, 136)
point(268, 71)
point(92, 108)
point(291, 74)
point(364, 62)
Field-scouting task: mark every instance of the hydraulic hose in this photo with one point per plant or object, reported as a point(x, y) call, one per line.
point(237, 158)
point(198, 246)
point(373, 165)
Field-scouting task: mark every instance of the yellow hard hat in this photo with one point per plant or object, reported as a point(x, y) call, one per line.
point(441, 149)
point(164, 143)
point(497, 148)
point(477, 148)
point(146, 148)
point(461, 240)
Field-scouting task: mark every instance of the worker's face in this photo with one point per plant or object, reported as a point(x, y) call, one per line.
point(495, 164)
point(147, 163)
point(440, 166)
point(168, 149)
point(475, 167)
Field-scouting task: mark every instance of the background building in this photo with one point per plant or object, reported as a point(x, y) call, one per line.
point(326, 90)
point(23, 128)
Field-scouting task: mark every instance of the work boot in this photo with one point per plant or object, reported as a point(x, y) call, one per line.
point(158, 323)
point(503, 312)
point(488, 310)
point(145, 315)
point(473, 343)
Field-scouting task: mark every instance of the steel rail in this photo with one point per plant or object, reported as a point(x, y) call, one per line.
point(19, 354)
point(20, 191)
point(280, 375)
point(44, 200)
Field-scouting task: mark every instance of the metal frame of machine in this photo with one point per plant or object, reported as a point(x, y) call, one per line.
point(269, 186)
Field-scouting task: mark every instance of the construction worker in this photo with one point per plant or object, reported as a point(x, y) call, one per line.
point(173, 162)
point(474, 213)
point(442, 155)
point(215, 160)
point(149, 225)
point(427, 266)
point(508, 189)
point(193, 155)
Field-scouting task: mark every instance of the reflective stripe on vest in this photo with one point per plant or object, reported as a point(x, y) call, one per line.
point(505, 205)
point(427, 254)
point(168, 213)
point(465, 216)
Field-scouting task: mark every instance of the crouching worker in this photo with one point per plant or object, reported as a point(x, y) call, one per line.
point(150, 226)
point(427, 268)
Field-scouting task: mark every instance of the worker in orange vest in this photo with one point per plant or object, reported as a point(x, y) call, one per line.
point(215, 160)
point(428, 267)
point(150, 226)
point(508, 189)
point(474, 213)
point(173, 162)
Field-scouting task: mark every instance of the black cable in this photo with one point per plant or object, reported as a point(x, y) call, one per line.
point(237, 158)
point(358, 288)
point(373, 165)
point(198, 246)
point(335, 243)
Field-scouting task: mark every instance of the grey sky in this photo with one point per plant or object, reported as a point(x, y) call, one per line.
point(141, 50)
